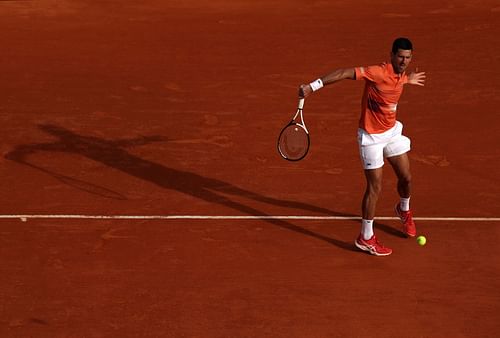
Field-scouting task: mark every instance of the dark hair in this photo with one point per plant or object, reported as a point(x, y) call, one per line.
point(401, 43)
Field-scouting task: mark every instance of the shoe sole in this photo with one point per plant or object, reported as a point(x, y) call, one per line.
point(410, 235)
point(367, 249)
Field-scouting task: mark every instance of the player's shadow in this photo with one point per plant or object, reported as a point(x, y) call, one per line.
point(112, 153)
point(389, 230)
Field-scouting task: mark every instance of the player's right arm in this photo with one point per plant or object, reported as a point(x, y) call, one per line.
point(335, 76)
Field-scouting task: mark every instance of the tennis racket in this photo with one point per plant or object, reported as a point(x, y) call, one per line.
point(293, 142)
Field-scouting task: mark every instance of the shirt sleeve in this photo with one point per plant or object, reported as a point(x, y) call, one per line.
point(370, 73)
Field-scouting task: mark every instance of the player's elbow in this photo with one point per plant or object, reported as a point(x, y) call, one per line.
point(349, 73)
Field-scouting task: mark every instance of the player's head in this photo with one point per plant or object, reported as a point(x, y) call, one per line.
point(401, 54)
point(401, 43)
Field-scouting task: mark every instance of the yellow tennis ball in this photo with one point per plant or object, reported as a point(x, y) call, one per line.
point(421, 240)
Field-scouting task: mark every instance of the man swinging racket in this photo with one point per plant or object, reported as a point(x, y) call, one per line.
point(380, 135)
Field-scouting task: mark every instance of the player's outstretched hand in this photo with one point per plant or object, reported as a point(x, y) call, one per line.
point(416, 78)
point(304, 91)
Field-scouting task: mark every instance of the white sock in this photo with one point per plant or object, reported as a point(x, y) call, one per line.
point(404, 204)
point(367, 228)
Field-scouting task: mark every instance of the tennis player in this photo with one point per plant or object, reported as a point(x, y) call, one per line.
point(380, 135)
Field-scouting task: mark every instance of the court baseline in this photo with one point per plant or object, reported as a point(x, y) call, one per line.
point(246, 217)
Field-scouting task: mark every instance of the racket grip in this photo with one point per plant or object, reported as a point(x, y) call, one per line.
point(301, 103)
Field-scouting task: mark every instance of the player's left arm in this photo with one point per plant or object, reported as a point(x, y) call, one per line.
point(416, 78)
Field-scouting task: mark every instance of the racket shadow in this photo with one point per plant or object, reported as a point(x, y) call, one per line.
point(112, 153)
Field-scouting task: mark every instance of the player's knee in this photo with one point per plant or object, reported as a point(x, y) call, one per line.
point(374, 188)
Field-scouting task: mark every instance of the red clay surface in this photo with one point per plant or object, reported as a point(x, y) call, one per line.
point(173, 108)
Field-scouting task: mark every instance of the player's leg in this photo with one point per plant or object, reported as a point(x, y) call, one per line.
point(396, 152)
point(372, 159)
point(367, 241)
point(372, 192)
point(401, 166)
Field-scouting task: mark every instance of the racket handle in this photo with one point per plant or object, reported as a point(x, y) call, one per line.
point(301, 103)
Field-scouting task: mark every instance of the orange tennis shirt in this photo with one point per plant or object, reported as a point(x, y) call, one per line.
point(383, 88)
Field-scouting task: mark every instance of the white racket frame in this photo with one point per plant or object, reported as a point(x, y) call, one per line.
point(300, 108)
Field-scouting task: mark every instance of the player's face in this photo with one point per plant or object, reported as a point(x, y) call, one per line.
point(401, 60)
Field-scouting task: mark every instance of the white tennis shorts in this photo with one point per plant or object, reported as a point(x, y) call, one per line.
point(374, 147)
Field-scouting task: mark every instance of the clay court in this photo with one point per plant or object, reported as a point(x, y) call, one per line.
point(143, 196)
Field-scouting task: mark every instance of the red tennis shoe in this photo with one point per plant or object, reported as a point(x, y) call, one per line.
point(406, 218)
point(372, 246)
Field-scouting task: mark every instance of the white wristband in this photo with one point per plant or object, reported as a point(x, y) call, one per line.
point(315, 85)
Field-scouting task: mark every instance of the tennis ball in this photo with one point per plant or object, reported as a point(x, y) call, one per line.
point(421, 240)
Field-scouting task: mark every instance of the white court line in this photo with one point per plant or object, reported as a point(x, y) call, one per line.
point(248, 217)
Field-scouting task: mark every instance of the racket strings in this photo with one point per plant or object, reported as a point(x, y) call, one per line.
point(293, 143)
